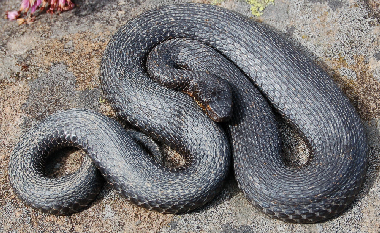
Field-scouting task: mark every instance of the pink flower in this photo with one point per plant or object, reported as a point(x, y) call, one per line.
point(32, 4)
point(35, 5)
point(25, 4)
point(54, 5)
point(60, 5)
point(12, 15)
point(51, 6)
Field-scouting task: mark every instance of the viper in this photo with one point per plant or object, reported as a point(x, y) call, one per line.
point(208, 84)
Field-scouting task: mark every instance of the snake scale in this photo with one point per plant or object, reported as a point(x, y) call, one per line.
point(257, 75)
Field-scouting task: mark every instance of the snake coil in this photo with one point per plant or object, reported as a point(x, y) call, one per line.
point(269, 74)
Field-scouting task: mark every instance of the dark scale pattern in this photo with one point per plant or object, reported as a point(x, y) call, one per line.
point(121, 159)
point(300, 91)
point(171, 65)
point(63, 195)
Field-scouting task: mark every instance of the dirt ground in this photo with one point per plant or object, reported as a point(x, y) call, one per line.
point(53, 64)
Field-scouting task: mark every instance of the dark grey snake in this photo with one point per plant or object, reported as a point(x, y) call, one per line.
point(271, 74)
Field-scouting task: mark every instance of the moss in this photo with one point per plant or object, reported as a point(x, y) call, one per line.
point(257, 6)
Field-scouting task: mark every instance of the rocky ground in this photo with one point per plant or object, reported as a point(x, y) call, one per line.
point(53, 64)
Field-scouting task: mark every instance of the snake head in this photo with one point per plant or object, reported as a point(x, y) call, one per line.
point(214, 95)
point(188, 66)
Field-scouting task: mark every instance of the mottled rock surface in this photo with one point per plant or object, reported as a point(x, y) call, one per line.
point(53, 64)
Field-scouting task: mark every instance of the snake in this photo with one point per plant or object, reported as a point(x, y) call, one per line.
point(210, 85)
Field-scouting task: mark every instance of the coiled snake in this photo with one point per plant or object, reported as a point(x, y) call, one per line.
point(272, 78)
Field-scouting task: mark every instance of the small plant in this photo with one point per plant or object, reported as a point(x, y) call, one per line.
point(257, 6)
point(51, 6)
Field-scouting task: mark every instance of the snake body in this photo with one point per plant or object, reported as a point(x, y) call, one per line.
point(275, 76)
